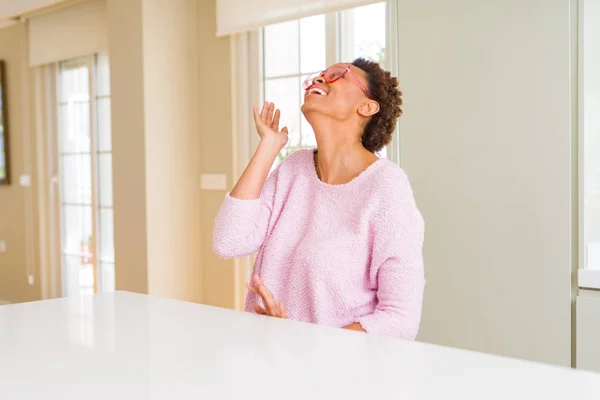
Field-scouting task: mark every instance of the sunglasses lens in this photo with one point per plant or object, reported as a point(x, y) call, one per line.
point(330, 75)
point(308, 82)
point(333, 74)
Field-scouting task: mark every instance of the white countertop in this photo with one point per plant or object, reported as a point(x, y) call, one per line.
point(127, 346)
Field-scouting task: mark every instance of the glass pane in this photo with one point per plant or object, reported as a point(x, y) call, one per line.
point(74, 82)
point(286, 151)
point(281, 51)
point(107, 273)
point(312, 44)
point(107, 248)
point(285, 93)
point(78, 276)
point(104, 130)
point(102, 75)
point(76, 178)
point(307, 133)
point(105, 179)
point(74, 126)
point(591, 134)
point(77, 229)
point(369, 26)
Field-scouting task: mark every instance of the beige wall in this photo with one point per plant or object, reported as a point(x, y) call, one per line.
point(216, 148)
point(173, 200)
point(17, 204)
point(128, 141)
point(492, 170)
point(156, 147)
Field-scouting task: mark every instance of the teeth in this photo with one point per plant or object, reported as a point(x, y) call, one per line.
point(318, 91)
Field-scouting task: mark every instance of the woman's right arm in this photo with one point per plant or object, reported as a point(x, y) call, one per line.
point(241, 224)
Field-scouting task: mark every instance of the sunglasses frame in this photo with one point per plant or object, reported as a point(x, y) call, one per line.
point(308, 84)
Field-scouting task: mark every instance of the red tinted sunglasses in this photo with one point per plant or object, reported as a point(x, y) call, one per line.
point(331, 75)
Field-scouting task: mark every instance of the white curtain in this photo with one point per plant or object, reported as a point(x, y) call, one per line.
point(235, 16)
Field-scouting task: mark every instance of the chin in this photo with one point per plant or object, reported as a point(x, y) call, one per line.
point(311, 106)
point(306, 108)
point(309, 112)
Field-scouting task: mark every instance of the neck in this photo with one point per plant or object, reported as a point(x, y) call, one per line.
point(341, 155)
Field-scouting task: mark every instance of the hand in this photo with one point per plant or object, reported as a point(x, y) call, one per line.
point(272, 308)
point(354, 327)
point(267, 125)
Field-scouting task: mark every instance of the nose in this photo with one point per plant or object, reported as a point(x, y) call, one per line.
point(319, 79)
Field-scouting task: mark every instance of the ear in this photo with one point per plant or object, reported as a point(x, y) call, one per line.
point(368, 108)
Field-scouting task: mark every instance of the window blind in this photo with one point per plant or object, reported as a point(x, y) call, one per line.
point(68, 33)
point(236, 16)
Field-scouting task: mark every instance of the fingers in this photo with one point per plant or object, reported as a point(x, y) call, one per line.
point(282, 311)
point(272, 308)
point(275, 123)
point(268, 299)
point(257, 118)
point(268, 115)
point(270, 112)
point(284, 130)
point(265, 112)
point(259, 310)
point(252, 288)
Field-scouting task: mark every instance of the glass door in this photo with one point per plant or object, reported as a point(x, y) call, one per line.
point(85, 176)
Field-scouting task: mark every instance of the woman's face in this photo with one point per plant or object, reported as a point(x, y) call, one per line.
point(338, 92)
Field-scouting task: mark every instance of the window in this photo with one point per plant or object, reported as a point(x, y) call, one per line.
point(293, 50)
point(589, 143)
point(591, 134)
point(85, 175)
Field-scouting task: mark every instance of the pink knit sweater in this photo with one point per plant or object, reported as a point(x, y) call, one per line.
point(334, 254)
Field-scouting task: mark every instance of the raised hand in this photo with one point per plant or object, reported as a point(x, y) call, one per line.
point(267, 125)
point(272, 307)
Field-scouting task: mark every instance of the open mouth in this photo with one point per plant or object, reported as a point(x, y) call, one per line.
point(316, 91)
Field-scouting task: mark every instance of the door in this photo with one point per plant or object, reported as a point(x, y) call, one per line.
point(85, 176)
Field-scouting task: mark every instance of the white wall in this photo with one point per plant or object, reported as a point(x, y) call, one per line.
point(588, 330)
point(486, 141)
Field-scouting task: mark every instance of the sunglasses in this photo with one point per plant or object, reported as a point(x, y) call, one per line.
point(331, 75)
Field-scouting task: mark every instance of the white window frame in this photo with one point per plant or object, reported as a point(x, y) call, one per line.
point(247, 90)
point(89, 63)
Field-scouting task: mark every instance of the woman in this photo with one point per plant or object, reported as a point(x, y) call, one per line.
point(338, 232)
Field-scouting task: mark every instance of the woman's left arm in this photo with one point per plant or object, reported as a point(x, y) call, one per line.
point(397, 267)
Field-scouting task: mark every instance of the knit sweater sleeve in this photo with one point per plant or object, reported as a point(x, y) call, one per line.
point(241, 224)
point(397, 265)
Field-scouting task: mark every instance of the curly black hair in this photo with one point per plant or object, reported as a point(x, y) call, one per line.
point(383, 88)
